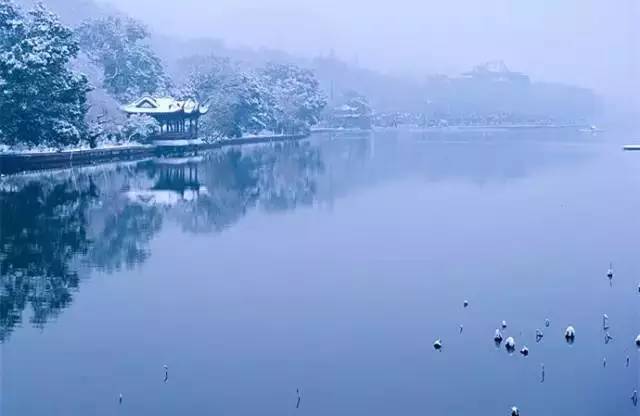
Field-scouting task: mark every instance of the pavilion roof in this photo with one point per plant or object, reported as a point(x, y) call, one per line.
point(164, 105)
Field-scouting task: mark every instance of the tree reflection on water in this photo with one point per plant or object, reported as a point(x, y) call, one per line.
point(54, 225)
point(44, 228)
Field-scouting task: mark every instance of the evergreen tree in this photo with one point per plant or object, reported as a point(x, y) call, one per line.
point(236, 99)
point(119, 46)
point(42, 100)
point(295, 96)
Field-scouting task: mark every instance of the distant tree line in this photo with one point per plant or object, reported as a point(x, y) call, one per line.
point(64, 87)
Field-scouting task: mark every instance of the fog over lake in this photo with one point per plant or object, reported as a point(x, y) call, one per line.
point(591, 43)
point(319, 208)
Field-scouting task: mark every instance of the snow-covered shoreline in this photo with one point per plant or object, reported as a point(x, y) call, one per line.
point(44, 159)
point(44, 150)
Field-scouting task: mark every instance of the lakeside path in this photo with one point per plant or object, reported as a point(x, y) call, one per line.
point(20, 162)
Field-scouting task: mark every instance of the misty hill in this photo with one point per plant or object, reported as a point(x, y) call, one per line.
point(485, 90)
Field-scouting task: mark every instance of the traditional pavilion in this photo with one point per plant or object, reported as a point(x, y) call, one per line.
point(178, 119)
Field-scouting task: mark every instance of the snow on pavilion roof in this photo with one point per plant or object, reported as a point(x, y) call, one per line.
point(164, 105)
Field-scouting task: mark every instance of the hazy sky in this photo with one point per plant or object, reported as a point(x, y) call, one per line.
point(588, 42)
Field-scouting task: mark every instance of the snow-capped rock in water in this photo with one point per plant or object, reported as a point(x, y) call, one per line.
point(437, 345)
point(638, 341)
point(465, 303)
point(515, 411)
point(504, 324)
point(497, 337)
point(510, 344)
point(524, 351)
point(570, 334)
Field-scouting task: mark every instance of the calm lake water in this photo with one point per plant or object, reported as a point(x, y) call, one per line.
point(331, 266)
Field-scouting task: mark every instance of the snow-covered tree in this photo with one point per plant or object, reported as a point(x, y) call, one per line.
point(104, 116)
point(139, 128)
point(119, 46)
point(295, 97)
point(42, 101)
point(12, 24)
point(236, 99)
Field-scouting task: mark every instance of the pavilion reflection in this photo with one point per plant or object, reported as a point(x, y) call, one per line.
point(58, 227)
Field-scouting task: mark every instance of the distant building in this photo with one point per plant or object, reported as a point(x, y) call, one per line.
point(354, 114)
point(496, 71)
point(178, 119)
point(492, 94)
